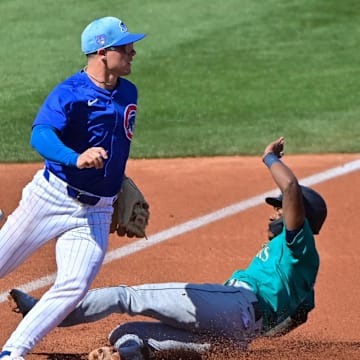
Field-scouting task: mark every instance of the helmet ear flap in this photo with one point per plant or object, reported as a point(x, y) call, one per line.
point(276, 226)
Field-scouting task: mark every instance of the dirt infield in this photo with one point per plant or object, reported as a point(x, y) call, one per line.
point(180, 190)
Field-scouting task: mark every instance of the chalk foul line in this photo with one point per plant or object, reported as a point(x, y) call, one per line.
point(196, 223)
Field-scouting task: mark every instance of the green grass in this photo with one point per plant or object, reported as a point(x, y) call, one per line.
point(215, 77)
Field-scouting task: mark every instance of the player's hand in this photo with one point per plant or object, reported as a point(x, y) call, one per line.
point(276, 147)
point(104, 353)
point(92, 157)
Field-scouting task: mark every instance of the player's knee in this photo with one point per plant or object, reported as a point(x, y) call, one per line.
point(130, 346)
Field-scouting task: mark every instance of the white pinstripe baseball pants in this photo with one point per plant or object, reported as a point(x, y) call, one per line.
point(46, 212)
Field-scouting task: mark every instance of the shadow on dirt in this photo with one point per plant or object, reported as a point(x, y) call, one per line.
point(269, 349)
point(263, 350)
point(58, 356)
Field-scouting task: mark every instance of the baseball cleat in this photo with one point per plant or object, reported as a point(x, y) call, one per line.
point(6, 355)
point(21, 302)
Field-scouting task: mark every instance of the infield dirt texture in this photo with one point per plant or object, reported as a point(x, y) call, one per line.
point(203, 244)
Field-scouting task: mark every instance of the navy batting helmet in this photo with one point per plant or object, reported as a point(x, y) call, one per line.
point(315, 207)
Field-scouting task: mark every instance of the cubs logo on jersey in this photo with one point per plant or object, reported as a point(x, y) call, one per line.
point(129, 120)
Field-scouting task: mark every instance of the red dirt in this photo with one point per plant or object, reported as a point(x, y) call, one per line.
point(181, 189)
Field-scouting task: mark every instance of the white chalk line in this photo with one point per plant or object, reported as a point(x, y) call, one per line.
point(195, 224)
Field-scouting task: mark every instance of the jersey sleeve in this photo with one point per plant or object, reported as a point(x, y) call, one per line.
point(301, 241)
point(55, 108)
point(46, 142)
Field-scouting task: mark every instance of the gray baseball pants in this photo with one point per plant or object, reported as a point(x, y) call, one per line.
point(189, 316)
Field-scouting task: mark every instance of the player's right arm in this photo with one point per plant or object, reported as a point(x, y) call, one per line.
point(47, 143)
point(285, 327)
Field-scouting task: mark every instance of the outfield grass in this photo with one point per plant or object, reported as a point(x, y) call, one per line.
point(215, 77)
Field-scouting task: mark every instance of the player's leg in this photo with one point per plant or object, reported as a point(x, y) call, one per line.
point(216, 308)
point(79, 255)
point(135, 339)
point(194, 307)
point(155, 300)
point(222, 310)
point(36, 220)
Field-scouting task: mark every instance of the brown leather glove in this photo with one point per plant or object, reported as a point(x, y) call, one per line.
point(131, 211)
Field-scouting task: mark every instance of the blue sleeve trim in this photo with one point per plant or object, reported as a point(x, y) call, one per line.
point(47, 143)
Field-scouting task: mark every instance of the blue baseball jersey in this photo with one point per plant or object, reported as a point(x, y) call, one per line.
point(85, 115)
point(283, 275)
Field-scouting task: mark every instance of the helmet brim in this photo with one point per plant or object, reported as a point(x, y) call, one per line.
point(274, 201)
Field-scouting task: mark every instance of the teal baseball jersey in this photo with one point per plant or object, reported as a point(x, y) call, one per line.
point(283, 275)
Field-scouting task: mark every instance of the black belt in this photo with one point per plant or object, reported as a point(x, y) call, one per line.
point(77, 194)
point(81, 197)
point(257, 310)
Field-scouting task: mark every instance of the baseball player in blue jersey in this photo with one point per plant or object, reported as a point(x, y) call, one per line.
point(272, 296)
point(83, 130)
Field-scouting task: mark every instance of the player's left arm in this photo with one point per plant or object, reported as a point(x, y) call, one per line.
point(297, 318)
point(292, 203)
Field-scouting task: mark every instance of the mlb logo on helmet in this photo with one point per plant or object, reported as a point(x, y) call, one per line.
point(105, 32)
point(101, 40)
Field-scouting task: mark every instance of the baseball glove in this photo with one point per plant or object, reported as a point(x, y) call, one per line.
point(131, 211)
